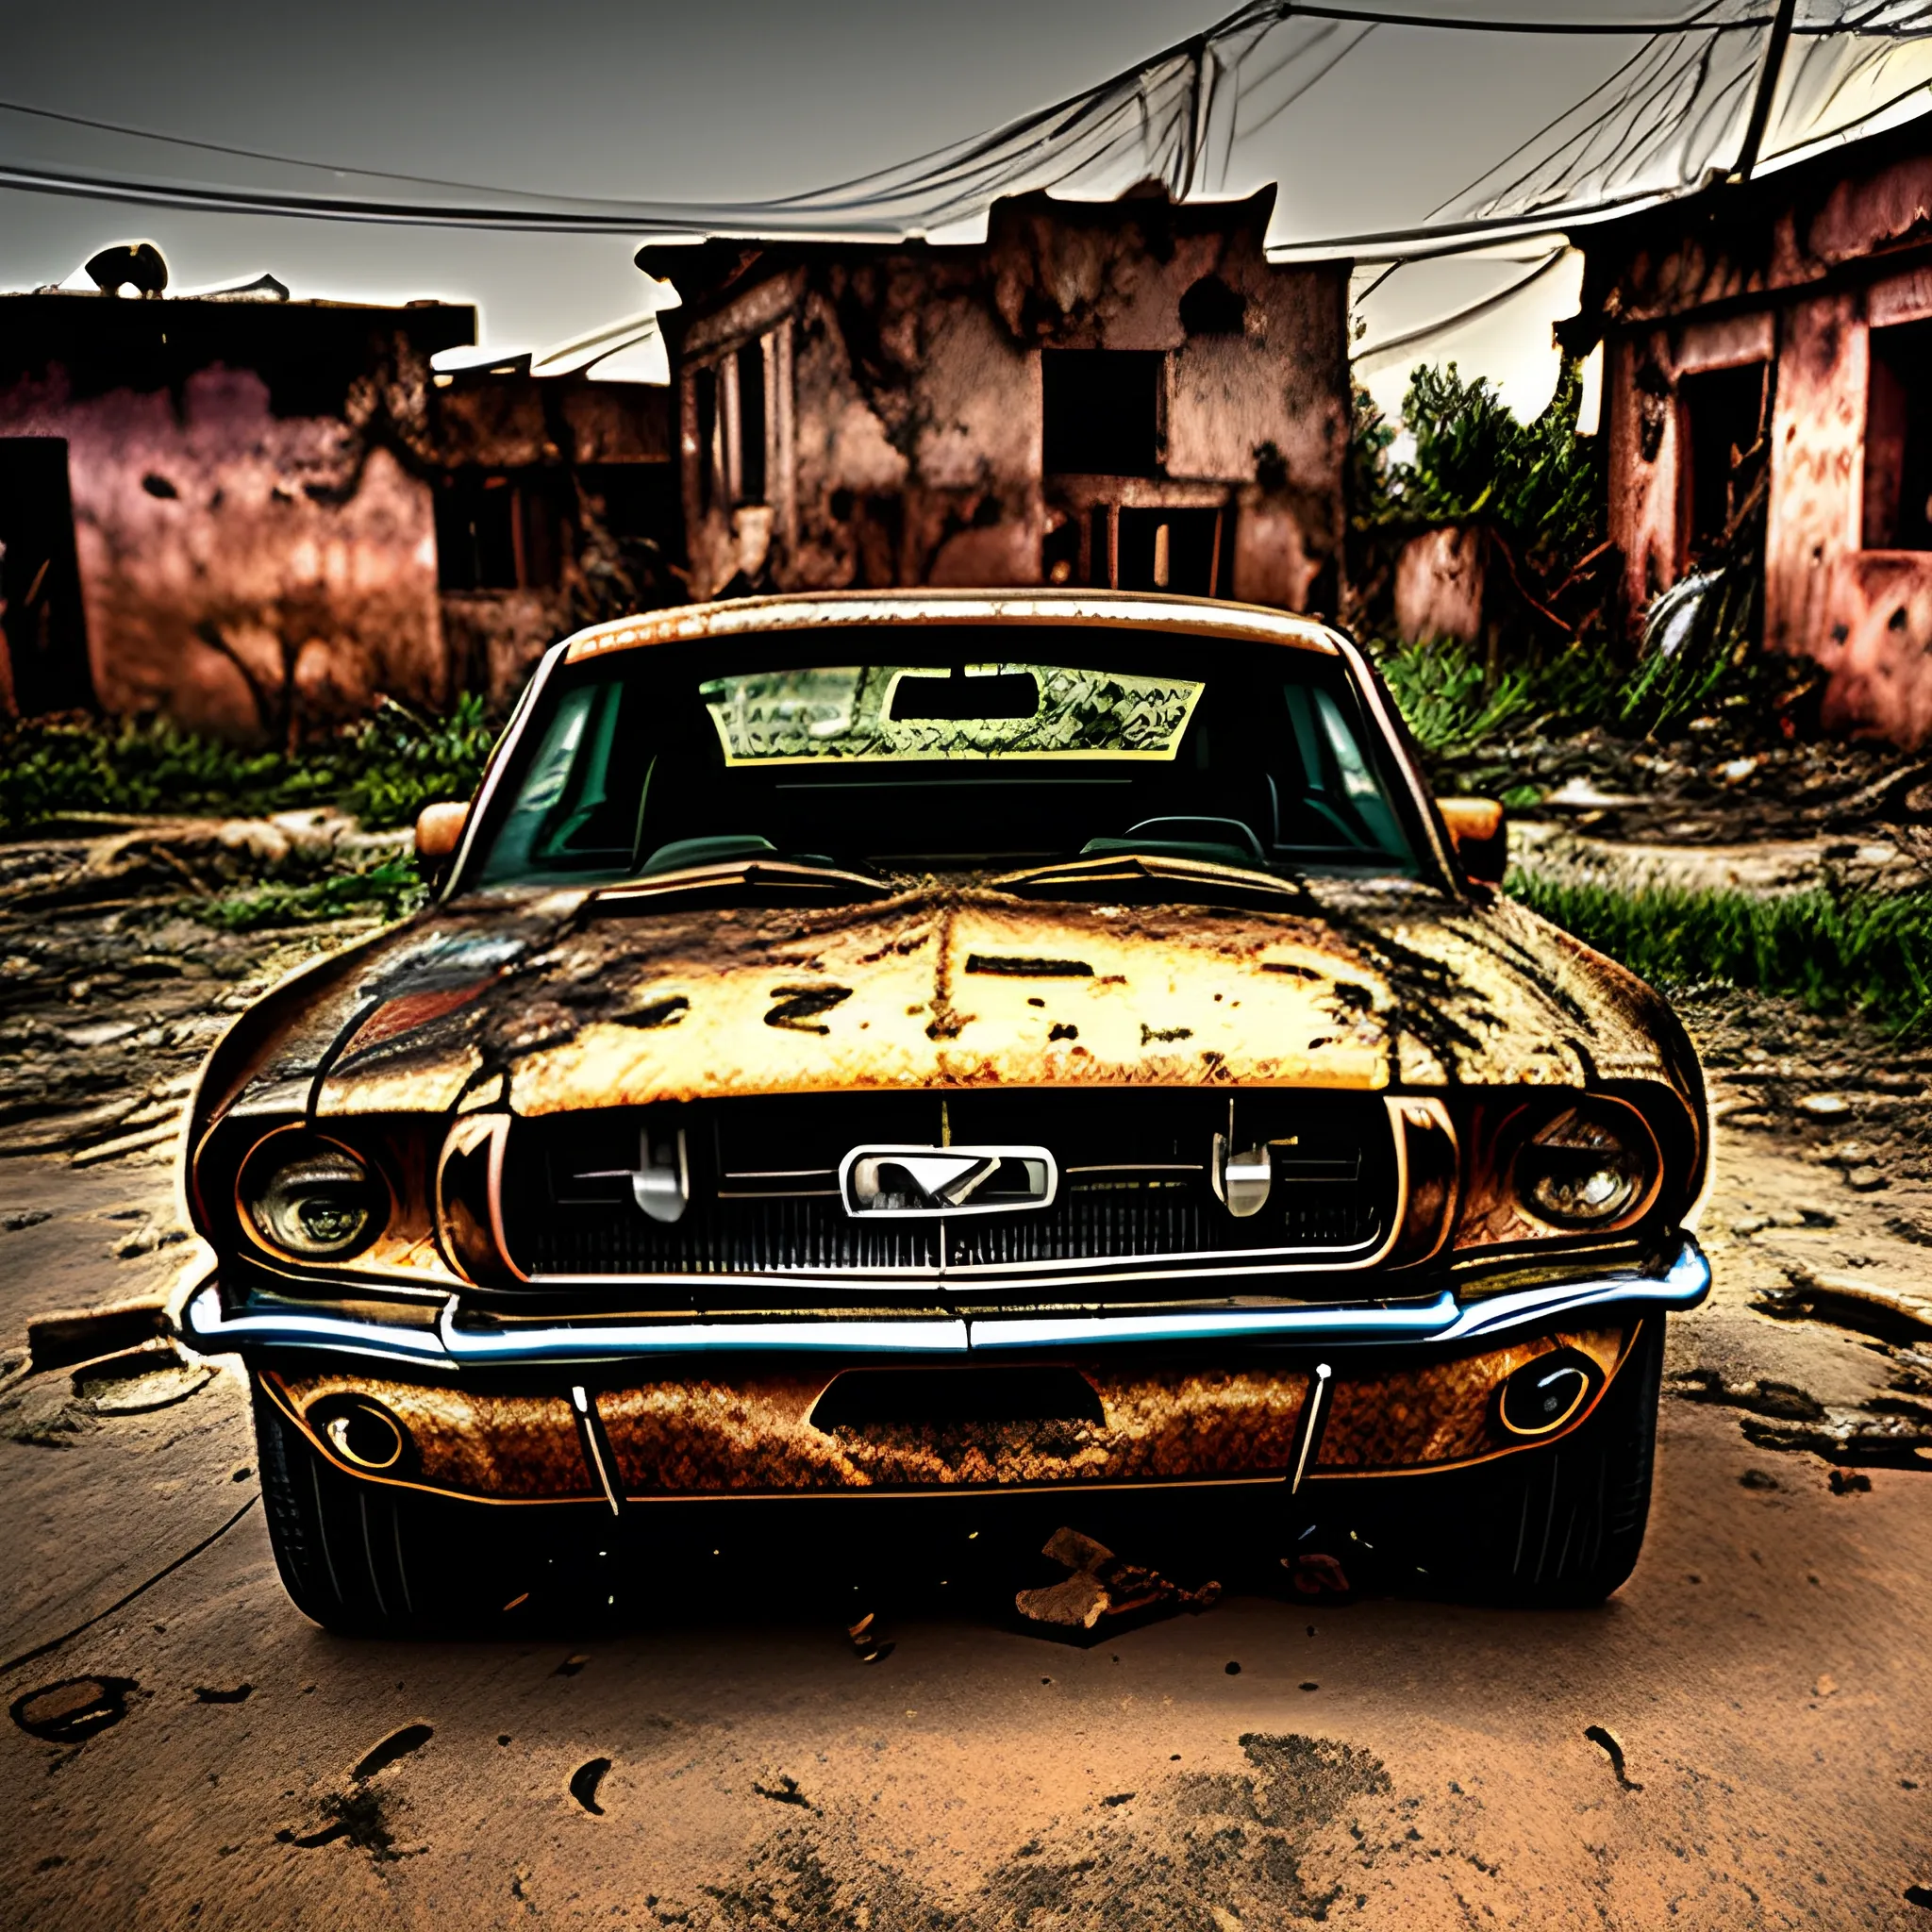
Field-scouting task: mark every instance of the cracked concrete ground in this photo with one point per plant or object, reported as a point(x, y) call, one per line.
point(1741, 1738)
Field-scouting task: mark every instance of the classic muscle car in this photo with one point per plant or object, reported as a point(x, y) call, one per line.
point(930, 1044)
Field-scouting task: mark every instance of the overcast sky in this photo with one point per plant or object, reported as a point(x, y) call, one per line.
point(730, 99)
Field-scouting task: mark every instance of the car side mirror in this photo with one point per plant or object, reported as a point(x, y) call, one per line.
point(1480, 831)
point(439, 832)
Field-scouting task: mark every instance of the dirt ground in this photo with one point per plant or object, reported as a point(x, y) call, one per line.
point(718, 1756)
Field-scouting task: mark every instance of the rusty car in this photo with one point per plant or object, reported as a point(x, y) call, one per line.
point(937, 1043)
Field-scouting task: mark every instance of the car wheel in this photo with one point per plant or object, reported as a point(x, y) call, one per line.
point(1561, 1526)
point(362, 1558)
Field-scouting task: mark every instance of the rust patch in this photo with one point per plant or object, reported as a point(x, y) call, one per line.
point(745, 1435)
point(798, 1006)
point(1028, 969)
point(1437, 1413)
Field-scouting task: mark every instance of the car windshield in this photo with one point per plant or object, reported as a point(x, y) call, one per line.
point(963, 748)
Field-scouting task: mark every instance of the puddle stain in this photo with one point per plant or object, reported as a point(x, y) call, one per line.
point(399, 1744)
point(584, 1781)
point(73, 1709)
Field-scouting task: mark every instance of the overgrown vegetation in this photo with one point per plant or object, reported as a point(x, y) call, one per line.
point(1554, 661)
point(1836, 949)
point(1536, 486)
point(383, 771)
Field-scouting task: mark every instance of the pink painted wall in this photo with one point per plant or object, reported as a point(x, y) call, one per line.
point(244, 572)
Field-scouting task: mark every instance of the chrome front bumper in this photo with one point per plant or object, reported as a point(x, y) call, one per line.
point(450, 1340)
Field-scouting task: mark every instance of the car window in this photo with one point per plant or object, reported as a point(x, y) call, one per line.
point(961, 759)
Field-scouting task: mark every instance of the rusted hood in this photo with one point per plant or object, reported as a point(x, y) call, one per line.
point(558, 1002)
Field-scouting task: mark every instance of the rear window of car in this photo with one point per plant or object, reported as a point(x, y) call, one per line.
point(960, 749)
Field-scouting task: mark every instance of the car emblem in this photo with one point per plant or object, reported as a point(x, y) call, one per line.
point(947, 1180)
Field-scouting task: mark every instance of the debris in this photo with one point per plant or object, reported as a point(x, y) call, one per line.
point(1104, 1586)
point(73, 1709)
point(584, 1781)
point(1870, 1307)
point(1315, 1573)
point(142, 1380)
point(1607, 1743)
point(239, 1694)
point(866, 1645)
point(71, 1336)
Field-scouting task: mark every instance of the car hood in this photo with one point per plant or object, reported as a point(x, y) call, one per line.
point(566, 1000)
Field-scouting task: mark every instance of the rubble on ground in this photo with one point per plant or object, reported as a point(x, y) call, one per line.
point(1102, 1588)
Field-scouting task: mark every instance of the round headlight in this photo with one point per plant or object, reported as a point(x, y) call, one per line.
point(1584, 1168)
point(315, 1199)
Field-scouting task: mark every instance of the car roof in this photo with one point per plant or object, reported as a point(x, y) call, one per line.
point(842, 610)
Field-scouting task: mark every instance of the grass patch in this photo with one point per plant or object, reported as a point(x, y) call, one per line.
point(1837, 951)
point(1458, 711)
point(391, 889)
point(383, 771)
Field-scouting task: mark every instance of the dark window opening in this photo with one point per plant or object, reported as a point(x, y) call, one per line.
point(1723, 447)
point(1211, 307)
point(640, 500)
point(1175, 550)
point(1101, 411)
point(496, 532)
point(1898, 439)
point(39, 579)
point(749, 484)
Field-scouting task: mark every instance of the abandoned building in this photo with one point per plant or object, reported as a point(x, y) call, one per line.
point(1768, 347)
point(1124, 395)
point(255, 516)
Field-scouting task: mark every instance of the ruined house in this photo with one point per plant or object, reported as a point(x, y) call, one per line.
point(255, 516)
point(1125, 395)
point(1771, 344)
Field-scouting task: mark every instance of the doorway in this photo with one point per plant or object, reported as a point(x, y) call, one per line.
point(39, 579)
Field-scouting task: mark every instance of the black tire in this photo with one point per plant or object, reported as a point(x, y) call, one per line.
point(363, 1559)
point(1560, 1527)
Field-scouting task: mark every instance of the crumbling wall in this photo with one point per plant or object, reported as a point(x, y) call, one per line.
point(245, 572)
point(1817, 486)
point(905, 436)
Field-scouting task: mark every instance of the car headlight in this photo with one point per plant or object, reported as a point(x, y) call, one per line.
point(313, 1198)
point(1586, 1167)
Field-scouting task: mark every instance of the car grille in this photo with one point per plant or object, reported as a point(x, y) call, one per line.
point(1134, 1185)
